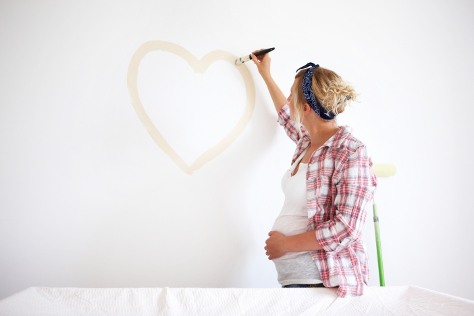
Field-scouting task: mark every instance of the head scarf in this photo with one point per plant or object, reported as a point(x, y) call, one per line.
point(309, 94)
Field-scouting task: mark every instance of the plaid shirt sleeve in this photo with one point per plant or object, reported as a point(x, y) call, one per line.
point(289, 125)
point(355, 188)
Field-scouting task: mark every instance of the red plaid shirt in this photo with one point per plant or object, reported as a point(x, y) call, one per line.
point(339, 184)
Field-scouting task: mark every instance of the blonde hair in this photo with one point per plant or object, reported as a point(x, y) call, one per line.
point(331, 91)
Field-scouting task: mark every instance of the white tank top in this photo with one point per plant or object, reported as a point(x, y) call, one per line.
point(295, 267)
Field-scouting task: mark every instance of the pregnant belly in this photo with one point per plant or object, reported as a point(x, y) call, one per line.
point(290, 225)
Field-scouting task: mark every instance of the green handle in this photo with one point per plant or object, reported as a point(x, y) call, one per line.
point(379, 246)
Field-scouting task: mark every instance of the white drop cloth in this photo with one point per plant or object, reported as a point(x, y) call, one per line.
point(390, 300)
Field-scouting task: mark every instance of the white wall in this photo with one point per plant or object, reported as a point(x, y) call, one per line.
point(88, 199)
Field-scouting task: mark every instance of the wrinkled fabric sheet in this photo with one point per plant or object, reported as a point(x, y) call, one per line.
point(390, 300)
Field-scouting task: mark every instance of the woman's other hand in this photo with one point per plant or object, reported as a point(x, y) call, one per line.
point(262, 62)
point(275, 245)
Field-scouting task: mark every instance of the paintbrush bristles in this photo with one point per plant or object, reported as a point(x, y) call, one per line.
point(242, 60)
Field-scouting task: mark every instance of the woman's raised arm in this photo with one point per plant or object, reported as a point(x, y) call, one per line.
point(263, 66)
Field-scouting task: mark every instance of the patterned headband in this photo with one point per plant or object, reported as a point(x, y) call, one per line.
point(309, 94)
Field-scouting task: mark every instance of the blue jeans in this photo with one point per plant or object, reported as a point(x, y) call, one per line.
point(304, 285)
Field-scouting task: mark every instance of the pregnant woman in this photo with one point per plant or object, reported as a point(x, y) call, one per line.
point(316, 241)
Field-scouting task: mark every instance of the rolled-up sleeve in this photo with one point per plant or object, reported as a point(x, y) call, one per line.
point(355, 189)
point(289, 125)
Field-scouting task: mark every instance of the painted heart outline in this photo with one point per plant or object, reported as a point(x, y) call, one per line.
point(199, 66)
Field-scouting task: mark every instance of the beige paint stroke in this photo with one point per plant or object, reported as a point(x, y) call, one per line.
point(199, 66)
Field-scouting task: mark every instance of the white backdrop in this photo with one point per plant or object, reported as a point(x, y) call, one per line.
point(88, 199)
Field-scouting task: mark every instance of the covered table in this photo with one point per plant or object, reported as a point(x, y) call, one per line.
point(390, 300)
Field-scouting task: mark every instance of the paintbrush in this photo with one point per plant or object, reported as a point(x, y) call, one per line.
point(242, 60)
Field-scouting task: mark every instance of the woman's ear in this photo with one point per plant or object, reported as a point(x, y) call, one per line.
point(307, 108)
